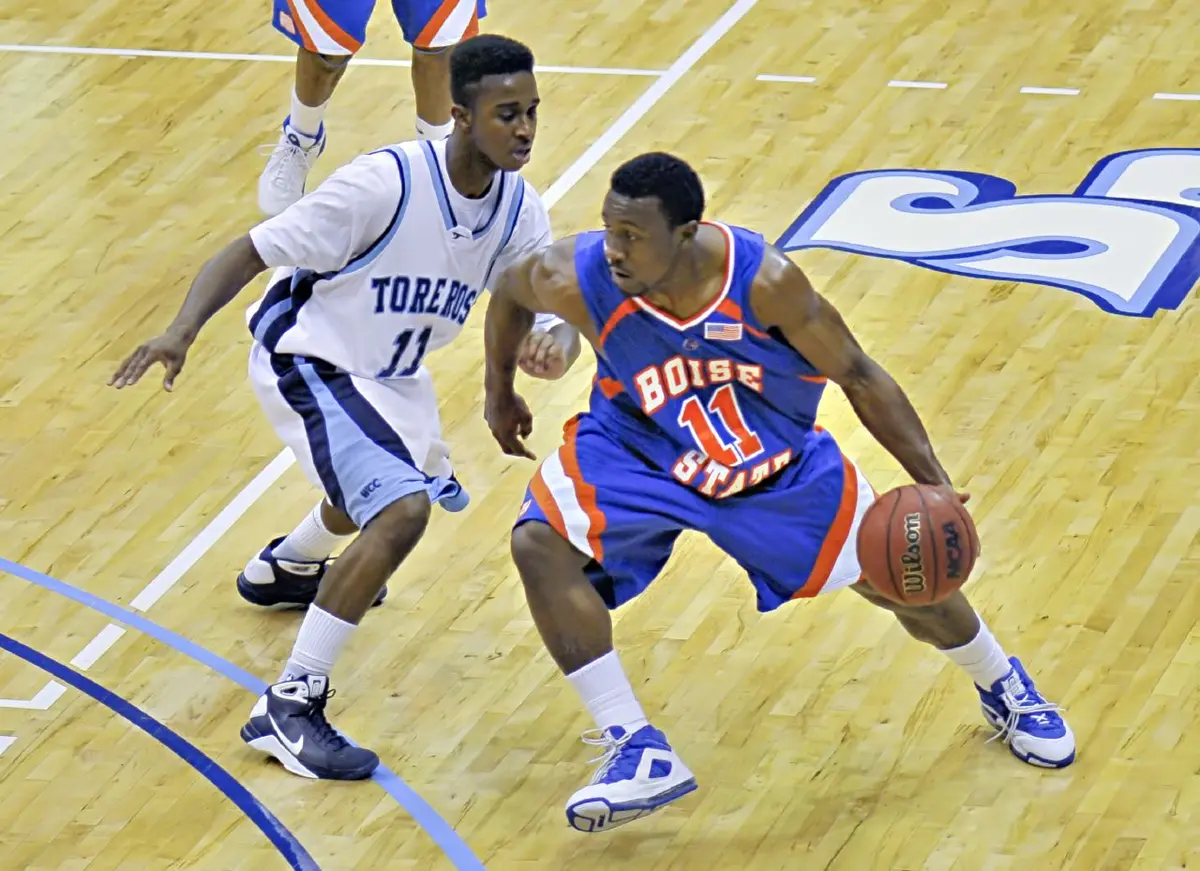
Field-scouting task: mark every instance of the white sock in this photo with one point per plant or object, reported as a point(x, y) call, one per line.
point(306, 119)
point(319, 644)
point(982, 658)
point(605, 690)
point(425, 130)
point(310, 541)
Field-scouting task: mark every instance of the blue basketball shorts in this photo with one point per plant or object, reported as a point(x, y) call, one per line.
point(794, 535)
point(338, 27)
point(365, 443)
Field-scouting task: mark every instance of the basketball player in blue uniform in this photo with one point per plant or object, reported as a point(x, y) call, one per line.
point(375, 269)
point(713, 351)
point(328, 33)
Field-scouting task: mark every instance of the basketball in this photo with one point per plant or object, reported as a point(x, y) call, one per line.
point(917, 544)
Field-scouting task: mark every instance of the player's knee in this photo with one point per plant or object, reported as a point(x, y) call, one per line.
point(331, 62)
point(535, 548)
point(439, 53)
point(400, 526)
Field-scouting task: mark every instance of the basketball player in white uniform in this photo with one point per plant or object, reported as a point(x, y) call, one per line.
point(375, 269)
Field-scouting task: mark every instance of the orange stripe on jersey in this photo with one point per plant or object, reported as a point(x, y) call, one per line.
point(584, 492)
point(610, 387)
point(731, 309)
point(473, 26)
point(835, 539)
point(330, 27)
point(435, 23)
point(813, 379)
point(545, 501)
point(619, 314)
point(296, 20)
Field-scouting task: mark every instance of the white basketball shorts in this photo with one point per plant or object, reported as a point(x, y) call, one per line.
point(365, 443)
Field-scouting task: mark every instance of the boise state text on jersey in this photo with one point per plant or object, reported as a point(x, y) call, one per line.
point(717, 399)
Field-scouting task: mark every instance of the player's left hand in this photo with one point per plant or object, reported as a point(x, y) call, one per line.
point(510, 420)
point(543, 356)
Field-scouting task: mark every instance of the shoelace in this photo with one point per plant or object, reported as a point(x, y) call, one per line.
point(612, 749)
point(290, 153)
point(1018, 708)
point(325, 730)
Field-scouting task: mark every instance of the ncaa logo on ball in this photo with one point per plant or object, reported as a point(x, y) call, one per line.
point(913, 576)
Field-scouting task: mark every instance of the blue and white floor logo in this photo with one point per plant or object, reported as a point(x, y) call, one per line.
point(1128, 238)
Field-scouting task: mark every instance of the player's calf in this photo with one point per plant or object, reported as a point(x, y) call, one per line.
point(638, 771)
point(288, 721)
point(359, 574)
point(287, 573)
point(1031, 726)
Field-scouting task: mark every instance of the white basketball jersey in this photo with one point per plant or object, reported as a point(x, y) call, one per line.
point(409, 291)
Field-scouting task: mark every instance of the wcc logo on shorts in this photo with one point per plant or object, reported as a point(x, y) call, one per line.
point(1128, 238)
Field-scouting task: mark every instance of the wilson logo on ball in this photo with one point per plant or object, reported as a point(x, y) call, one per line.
point(913, 575)
point(953, 551)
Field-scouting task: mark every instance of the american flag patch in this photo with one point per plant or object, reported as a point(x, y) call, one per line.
point(723, 332)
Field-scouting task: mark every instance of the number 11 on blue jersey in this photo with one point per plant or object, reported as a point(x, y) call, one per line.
point(402, 341)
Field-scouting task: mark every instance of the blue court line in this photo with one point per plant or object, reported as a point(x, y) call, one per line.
point(442, 833)
point(291, 849)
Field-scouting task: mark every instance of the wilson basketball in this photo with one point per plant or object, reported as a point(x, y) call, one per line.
point(917, 544)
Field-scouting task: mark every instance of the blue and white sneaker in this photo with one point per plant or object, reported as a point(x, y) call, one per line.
point(271, 582)
point(638, 774)
point(286, 173)
point(1026, 722)
point(288, 722)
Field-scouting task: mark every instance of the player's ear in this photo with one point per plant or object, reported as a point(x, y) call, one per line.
point(687, 232)
point(461, 116)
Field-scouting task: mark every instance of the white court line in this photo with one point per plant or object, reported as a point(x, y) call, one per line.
point(210, 534)
point(646, 101)
point(1059, 92)
point(902, 83)
point(767, 77)
point(46, 696)
point(240, 504)
point(97, 647)
point(282, 58)
point(1167, 96)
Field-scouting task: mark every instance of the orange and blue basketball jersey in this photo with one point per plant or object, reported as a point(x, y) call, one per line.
point(717, 400)
point(706, 424)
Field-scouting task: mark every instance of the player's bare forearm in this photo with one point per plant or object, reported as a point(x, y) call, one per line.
point(505, 327)
point(886, 412)
point(785, 298)
point(220, 280)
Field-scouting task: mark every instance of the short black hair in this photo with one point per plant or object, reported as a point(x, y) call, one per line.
point(667, 177)
point(488, 54)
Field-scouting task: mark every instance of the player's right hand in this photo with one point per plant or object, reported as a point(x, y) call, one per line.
point(170, 349)
point(510, 420)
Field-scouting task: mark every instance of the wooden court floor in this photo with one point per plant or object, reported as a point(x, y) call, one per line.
point(822, 737)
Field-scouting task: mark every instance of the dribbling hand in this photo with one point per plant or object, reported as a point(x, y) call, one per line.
point(170, 349)
point(510, 420)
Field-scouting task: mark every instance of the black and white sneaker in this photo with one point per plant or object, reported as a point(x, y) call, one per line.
point(288, 722)
point(271, 582)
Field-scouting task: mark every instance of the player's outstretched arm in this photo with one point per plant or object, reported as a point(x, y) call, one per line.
point(784, 298)
point(220, 280)
point(544, 281)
